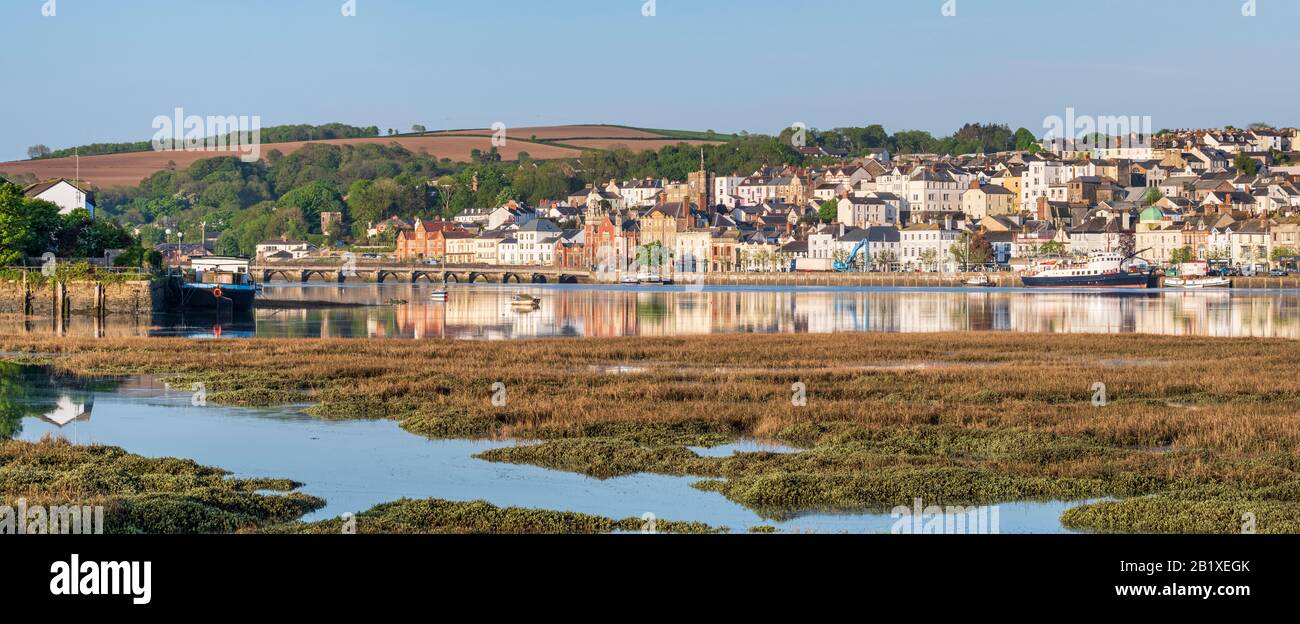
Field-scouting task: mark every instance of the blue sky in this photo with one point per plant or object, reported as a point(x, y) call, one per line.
point(101, 70)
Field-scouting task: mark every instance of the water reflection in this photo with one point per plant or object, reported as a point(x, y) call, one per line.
point(34, 393)
point(356, 464)
point(484, 312)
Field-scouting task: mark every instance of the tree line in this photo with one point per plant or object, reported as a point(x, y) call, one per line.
point(272, 134)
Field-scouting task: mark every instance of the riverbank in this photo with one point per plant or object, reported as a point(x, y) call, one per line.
point(50, 298)
point(1193, 435)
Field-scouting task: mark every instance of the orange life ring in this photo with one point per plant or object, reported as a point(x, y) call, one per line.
point(216, 292)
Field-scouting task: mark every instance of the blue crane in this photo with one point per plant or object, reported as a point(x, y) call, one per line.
point(841, 267)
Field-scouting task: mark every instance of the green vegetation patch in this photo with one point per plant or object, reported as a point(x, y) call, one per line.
point(144, 495)
point(440, 516)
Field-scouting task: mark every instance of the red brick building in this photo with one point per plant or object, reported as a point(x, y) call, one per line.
point(426, 240)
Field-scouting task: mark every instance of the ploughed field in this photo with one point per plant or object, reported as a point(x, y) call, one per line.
point(1187, 435)
point(128, 169)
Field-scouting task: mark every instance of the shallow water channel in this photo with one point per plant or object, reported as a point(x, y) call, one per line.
point(355, 465)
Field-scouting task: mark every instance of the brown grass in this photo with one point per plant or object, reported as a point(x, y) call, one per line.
point(962, 417)
point(1234, 395)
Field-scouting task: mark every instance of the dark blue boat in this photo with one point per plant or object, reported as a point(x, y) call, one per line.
point(220, 284)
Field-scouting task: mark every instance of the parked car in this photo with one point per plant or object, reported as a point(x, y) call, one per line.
point(1278, 273)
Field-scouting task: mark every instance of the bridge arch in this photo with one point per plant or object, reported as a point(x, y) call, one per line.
point(473, 277)
point(416, 275)
point(450, 277)
point(506, 277)
point(322, 273)
point(568, 279)
point(269, 274)
point(539, 278)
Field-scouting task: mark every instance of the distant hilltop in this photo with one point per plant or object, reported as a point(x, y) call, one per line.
point(128, 168)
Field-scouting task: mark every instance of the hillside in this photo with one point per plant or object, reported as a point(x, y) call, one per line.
point(546, 142)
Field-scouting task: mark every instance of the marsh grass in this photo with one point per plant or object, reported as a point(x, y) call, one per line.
point(954, 418)
point(440, 516)
point(143, 495)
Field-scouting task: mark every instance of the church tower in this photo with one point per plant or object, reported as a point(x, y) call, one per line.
point(700, 186)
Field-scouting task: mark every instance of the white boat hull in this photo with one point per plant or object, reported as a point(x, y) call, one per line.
point(1198, 282)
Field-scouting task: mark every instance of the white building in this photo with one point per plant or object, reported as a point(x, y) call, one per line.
point(65, 194)
point(691, 251)
point(284, 248)
point(863, 212)
point(1040, 176)
point(927, 246)
point(537, 240)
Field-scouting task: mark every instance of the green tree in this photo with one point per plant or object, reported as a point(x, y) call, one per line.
point(1151, 196)
point(1026, 141)
point(28, 227)
point(311, 200)
point(1182, 255)
point(1283, 255)
point(929, 258)
point(829, 211)
point(80, 236)
point(1052, 248)
point(971, 248)
point(1245, 164)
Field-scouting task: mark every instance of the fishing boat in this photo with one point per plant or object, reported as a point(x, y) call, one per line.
point(981, 281)
point(1106, 269)
point(219, 283)
point(524, 301)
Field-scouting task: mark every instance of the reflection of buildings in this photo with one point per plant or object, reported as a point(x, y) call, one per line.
point(484, 312)
point(68, 410)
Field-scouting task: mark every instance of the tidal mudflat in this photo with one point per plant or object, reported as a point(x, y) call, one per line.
point(1182, 440)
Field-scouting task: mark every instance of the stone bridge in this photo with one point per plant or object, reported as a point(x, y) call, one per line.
point(412, 274)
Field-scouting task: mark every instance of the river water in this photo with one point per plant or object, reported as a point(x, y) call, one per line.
point(355, 465)
point(484, 312)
